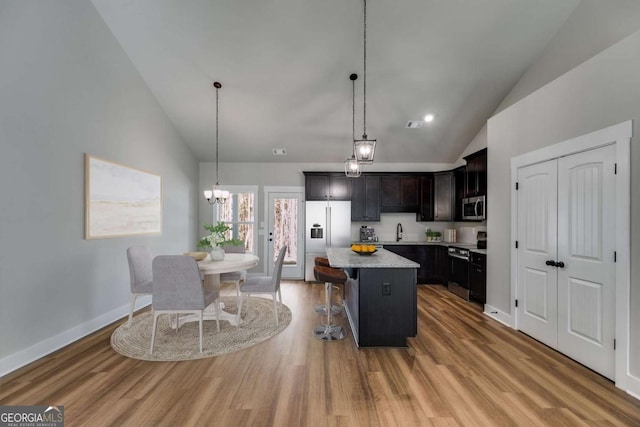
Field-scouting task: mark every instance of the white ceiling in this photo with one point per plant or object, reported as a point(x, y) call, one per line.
point(284, 66)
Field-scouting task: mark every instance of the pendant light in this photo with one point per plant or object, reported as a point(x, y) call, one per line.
point(365, 148)
point(217, 195)
point(351, 166)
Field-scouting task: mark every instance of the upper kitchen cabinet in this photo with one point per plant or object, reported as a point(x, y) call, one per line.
point(443, 196)
point(476, 174)
point(425, 198)
point(327, 186)
point(459, 178)
point(365, 198)
point(399, 193)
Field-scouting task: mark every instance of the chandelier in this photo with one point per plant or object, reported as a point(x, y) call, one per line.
point(217, 195)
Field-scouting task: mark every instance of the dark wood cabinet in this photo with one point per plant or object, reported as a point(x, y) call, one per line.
point(415, 253)
point(476, 174)
point(478, 277)
point(327, 186)
point(365, 198)
point(443, 196)
point(435, 264)
point(459, 178)
point(382, 306)
point(425, 198)
point(441, 264)
point(399, 193)
point(432, 259)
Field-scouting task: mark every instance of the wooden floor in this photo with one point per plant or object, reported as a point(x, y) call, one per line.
point(463, 369)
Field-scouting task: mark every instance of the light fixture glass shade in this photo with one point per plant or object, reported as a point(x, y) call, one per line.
point(352, 168)
point(365, 150)
point(208, 194)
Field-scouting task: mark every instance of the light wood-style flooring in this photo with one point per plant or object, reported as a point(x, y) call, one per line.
point(463, 369)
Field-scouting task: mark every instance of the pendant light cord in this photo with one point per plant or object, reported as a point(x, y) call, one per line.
point(217, 180)
point(353, 114)
point(364, 81)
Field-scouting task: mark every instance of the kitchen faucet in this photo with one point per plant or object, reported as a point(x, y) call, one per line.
point(398, 232)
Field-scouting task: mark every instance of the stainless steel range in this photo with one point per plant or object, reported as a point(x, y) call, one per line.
point(459, 271)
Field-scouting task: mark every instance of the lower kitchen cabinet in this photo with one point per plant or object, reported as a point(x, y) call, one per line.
point(432, 260)
point(478, 277)
point(436, 264)
point(415, 253)
point(441, 264)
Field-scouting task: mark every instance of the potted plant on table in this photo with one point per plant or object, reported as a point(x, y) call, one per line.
point(216, 239)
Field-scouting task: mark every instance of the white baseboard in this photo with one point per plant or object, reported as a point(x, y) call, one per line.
point(633, 386)
point(498, 315)
point(22, 358)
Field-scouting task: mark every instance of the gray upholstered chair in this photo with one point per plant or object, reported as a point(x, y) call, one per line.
point(140, 259)
point(177, 288)
point(264, 285)
point(234, 276)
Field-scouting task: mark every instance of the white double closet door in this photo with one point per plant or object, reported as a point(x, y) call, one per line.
point(566, 242)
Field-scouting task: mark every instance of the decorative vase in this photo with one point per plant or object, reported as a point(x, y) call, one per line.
point(217, 253)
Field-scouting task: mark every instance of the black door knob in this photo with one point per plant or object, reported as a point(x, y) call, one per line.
point(551, 262)
point(560, 264)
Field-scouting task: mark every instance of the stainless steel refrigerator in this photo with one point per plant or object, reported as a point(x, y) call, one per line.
point(328, 224)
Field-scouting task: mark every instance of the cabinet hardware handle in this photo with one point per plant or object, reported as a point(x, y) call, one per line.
point(560, 264)
point(551, 262)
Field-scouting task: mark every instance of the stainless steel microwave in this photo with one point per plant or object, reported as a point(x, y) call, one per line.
point(474, 208)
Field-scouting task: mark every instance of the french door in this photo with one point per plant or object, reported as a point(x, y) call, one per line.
point(285, 226)
point(566, 272)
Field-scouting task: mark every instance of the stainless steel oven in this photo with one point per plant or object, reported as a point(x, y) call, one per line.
point(459, 272)
point(474, 208)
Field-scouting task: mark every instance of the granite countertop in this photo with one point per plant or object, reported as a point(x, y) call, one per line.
point(346, 258)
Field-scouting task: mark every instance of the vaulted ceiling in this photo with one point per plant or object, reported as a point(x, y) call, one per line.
point(284, 66)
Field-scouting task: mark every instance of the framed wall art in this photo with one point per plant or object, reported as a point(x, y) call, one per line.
point(120, 201)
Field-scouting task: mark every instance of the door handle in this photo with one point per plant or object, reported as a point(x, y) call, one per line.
point(560, 264)
point(551, 262)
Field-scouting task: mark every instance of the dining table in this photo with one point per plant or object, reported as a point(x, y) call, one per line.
point(211, 271)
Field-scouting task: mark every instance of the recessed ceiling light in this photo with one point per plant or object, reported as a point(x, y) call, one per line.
point(279, 151)
point(428, 118)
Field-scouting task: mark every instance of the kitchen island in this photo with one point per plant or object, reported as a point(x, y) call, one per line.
point(380, 297)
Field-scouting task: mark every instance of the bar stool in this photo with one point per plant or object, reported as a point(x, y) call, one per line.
point(330, 276)
point(322, 308)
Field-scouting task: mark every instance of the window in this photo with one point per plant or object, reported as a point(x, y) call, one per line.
point(239, 212)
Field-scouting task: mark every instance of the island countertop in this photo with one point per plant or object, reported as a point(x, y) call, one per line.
point(346, 258)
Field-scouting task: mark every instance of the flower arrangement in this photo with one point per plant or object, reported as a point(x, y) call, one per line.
point(217, 236)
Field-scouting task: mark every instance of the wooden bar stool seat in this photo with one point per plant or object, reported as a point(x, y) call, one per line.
point(321, 309)
point(330, 276)
point(322, 261)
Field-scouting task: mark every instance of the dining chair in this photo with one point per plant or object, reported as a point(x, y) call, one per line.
point(234, 276)
point(140, 274)
point(264, 285)
point(177, 288)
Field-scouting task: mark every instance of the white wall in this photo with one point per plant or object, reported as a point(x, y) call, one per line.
point(598, 93)
point(67, 88)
